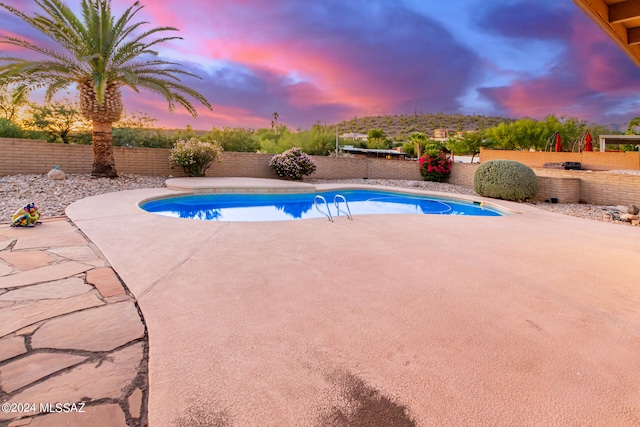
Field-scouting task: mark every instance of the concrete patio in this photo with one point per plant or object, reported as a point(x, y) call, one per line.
point(528, 319)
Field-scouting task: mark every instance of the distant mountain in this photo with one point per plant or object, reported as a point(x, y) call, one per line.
point(400, 127)
point(618, 127)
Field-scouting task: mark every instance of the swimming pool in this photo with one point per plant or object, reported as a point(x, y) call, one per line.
point(286, 206)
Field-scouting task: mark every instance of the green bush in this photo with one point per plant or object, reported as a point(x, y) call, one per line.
point(8, 129)
point(195, 156)
point(506, 180)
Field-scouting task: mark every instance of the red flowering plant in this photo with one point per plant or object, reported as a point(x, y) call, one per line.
point(435, 166)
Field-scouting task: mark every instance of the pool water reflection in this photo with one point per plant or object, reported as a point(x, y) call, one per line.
point(282, 207)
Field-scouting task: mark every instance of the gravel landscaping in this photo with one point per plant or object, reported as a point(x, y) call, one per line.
point(53, 196)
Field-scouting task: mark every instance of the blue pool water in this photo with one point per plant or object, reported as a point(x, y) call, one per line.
point(281, 207)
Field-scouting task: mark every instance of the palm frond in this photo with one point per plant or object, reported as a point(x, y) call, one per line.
point(98, 49)
point(55, 87)
point(41, 50)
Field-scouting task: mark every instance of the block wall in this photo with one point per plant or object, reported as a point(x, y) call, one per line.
point(591, 160)
point(601, 188)
point(22, 156)
point(564, 189)
point(462, 174)
point(25, 156)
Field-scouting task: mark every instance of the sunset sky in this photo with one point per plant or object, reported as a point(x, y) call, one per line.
point(331, 60)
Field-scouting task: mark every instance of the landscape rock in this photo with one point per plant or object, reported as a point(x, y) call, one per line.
point(633, 210)
point(56, 174)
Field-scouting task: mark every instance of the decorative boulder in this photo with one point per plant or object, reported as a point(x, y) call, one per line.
point(633, 210)
point(56, 173)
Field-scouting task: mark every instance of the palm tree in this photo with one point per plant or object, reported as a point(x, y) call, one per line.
point(100, 54)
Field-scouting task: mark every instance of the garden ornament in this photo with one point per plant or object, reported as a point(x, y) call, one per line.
point(27, 216)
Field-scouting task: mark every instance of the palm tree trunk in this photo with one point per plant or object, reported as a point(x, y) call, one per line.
point(104, 164)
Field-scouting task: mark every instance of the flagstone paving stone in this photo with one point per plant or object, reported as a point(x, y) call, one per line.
point(63, 288)
point(110, 415)
point(11, 347)
point(135, 403)
point(43, 274)
point(91, 380)
point(29, 329)
point(52, 240)
point(99, 329)
point(27, 260)
point(30, 368)
point(69, 331)
point(5, 243)
point(46, 229)
point(24, 314)
point(106, 281)
point(6, 269)
point(118, 298)
point(76, 253)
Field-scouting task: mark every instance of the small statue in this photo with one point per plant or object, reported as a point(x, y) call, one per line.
point(28, 216)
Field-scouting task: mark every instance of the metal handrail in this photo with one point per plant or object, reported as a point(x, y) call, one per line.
point(337, 203)
point(315, 203)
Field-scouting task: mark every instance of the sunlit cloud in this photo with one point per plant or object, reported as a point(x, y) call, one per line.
point(330, 60)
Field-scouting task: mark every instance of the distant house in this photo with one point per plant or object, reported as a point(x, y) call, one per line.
point(355, 136)
point(374, 153)
point(443, 134)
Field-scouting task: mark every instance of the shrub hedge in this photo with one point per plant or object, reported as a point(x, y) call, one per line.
point(506, 180)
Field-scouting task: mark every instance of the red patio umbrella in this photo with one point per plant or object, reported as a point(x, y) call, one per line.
point(588, 146)
point(558, 142)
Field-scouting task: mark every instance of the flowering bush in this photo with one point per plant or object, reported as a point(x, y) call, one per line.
point(195, 156)
point(435, 166)
point(293, 164)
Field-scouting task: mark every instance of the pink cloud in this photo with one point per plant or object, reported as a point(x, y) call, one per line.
point(590, 78)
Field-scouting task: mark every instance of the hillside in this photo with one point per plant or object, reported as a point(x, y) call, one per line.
point(400, 127)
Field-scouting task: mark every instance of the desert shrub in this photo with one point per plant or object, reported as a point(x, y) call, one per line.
point(505, 179)
point(9, 129)
point(435, 166)
point(195, 156)
point(293, 163)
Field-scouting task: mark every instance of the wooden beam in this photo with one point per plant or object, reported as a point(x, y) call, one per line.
point(633, 35)
point(599, 11)
point(625, 11)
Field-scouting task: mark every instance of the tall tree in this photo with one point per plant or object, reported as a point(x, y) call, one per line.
point(100, 54)
point(11, 100)
point(57, 118)
point(633, 128)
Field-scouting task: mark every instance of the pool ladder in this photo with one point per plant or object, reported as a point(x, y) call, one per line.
point(336, 202)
